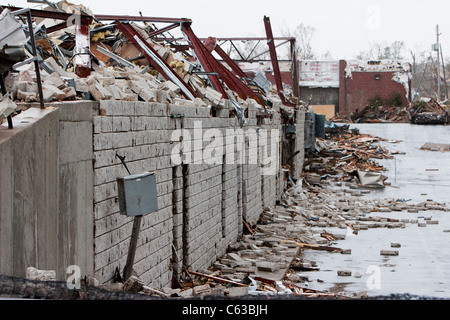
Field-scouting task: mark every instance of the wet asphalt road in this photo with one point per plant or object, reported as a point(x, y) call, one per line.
point(414, 173)
point(423, 264)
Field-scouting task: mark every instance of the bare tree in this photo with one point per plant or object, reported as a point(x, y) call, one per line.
point(382, 50)
point(303, 35)
point(397, 49)
point(327, 56)
point(363, 55)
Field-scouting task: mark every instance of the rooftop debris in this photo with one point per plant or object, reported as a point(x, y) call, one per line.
point(381, 114)
point(12, 44)
point(130, 58)
point(376, 66)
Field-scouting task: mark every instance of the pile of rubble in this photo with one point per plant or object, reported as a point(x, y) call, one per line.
point(113, 83)
point(345, 155)
point(429, 111)
point(300, 222)
point(268, 259)
point(118, 66)
point(384, 113)
point(424, 111)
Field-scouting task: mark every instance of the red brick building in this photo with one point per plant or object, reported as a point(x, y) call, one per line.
point(359, 82)
point(350, 86)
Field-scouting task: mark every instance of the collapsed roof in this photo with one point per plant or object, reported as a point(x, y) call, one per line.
point(102, 57)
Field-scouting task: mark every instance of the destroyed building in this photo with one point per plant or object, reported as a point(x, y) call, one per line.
point(342, 87)
point(98, 97)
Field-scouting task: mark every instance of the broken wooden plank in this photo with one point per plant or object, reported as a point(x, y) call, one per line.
point(300, 266)
point(248, 227)
point(312, 246)
point(265, 280)
point(313, 293)
point(328, 236)
point(216, 278)
point(268, 288)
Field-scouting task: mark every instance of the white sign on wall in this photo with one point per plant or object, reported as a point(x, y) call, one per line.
point(315, 73)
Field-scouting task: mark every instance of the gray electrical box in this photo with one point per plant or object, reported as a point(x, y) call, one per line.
point(137, 194)
point(289, 129)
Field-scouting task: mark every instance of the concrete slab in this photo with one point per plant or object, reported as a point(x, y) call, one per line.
point(28, 117)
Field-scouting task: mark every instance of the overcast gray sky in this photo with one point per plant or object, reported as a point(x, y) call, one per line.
point(343, 27)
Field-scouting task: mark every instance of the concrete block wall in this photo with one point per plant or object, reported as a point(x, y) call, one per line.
point(299, 159)
point(201, 202)
point(46, 190)
point(270, 180)
point(201, 218)
point(140, 132)
point(211, 218)
point(251, 175)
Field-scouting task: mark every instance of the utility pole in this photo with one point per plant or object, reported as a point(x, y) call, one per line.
point(444, 74)
point(438, 63)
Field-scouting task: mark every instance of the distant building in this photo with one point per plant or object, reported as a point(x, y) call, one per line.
point(348, 85)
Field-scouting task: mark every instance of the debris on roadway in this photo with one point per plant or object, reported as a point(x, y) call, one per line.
point(347, 155)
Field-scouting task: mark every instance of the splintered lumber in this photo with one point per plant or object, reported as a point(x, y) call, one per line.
point(267, 288)
point(312, 293)
point(154, 291)
point(249, 228)
point(265, 280)
point(216, 278)
point(312, 246)
point(328, 236)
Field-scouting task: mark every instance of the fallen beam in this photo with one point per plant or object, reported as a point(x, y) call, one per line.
point(155, 59)
point(275, 66)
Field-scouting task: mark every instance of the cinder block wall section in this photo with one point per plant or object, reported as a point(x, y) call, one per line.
point(140, 132)
point(270, 157)
point(46, 190)
point(299, 144)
